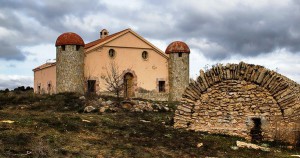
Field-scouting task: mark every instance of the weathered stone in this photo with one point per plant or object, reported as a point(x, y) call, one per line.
point(178, 83)
point(184, 109)
point(70, 74)
point(82, 97)
point(199, 145)
point(241, 144)
point(288, 111)
point(89, 109)
point(126, 106)
point(240, 99)
point(102, 109)
point(109, 102)
point(230, 94)
point(233, 121)
point(219, 113)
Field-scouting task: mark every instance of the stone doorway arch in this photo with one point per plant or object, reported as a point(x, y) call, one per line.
point(224, 100)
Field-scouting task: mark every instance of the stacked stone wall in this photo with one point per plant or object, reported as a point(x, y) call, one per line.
point(225, 100)
point(69, 69)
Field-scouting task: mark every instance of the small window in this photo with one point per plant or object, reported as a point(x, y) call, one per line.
point(39, 89)
point(63, 47)
point(161, 86)
point(49, 88)
point(145, 55)
point(91, 85)
point(77, 47)
point(112, 53)
point(105, 33)
point(180, 54)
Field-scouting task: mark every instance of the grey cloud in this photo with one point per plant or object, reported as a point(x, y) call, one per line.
point(24, 19)
point(10, 52)
point(243, 31)
point(240, 30)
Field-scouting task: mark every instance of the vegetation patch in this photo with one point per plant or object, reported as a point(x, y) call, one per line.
point(46, 128)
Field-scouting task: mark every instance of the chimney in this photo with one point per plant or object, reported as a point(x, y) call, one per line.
point(103, 33)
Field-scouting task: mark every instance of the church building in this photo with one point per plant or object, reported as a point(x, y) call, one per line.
point(145, 70)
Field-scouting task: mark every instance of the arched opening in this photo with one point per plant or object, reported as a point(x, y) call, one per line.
point(256, 131)
point(224, 97)
point(128, 85)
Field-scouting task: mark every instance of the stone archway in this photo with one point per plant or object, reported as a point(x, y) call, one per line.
point(226, 99)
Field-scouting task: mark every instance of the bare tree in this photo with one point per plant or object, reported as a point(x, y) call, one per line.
point(113, 80)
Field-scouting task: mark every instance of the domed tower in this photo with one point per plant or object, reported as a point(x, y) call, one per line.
point(69, 63)
point(178, 69)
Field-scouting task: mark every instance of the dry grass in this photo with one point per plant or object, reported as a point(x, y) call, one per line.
point(46, 130)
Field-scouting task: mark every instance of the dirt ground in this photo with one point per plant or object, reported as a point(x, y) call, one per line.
point(53, 126)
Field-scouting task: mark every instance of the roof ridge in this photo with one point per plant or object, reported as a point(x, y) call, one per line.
point(93, 43)
point(43, 66)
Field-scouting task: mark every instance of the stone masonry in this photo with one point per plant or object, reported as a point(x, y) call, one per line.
point(69, 69)
point(227, 99)
point(178, 75)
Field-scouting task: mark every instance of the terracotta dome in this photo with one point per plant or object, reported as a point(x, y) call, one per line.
point(69, 38)
point(177, 47)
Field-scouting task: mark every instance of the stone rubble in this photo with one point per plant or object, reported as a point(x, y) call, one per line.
point(102, 106)
point(241, 144)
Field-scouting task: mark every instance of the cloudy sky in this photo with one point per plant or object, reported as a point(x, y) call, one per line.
point(264, 32)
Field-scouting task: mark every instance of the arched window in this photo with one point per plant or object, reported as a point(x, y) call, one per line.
point(145, 55)
point(112, 53)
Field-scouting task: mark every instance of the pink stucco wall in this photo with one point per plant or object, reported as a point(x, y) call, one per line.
point(128, 47)
point(128, 56)
point(46, 79)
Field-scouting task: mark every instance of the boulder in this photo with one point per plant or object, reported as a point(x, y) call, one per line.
point(199, 145)
point(109, 102)
point(100, 100)
point(102, 109)
point(82, 98)
point(166, 109)
point(241, 144)
point(126, 106)
point(89, 109)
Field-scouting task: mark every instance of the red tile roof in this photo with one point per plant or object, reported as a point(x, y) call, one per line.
point(177, 47)
point(69, 38)
point(93, 43)
point(46, 65)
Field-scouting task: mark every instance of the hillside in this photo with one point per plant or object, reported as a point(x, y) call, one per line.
point(55, 126)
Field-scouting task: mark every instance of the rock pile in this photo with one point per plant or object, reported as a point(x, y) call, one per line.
point(100, 105)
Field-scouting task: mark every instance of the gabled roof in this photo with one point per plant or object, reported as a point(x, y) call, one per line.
point(105, 40)
point(109, 38)
point(44, 66)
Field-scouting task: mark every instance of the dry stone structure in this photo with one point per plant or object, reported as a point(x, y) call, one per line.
point(244, 100)
point(70, 62)
point(178, 68)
